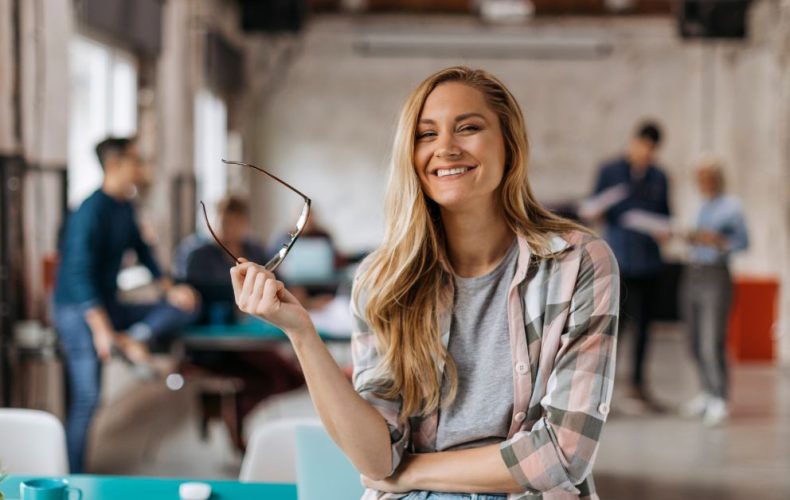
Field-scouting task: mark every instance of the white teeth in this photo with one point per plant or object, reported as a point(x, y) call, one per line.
point(442, 172)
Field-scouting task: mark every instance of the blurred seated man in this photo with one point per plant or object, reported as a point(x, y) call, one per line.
point(205, 266)
point(91, 322)
point(201, 263)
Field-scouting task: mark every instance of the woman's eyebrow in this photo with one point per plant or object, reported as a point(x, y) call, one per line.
point(469, 115)
point(428, 121)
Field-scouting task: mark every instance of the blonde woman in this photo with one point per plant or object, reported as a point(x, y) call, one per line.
point(485, 341)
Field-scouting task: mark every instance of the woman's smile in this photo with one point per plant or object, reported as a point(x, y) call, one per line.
point(449, 173)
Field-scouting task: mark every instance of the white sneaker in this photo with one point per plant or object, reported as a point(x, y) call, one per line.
point(716, 413)
point(697, 406)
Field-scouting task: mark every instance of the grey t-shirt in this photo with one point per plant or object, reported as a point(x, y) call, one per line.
point(480, 345)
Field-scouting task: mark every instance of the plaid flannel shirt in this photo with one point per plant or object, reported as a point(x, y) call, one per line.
point(562, 316)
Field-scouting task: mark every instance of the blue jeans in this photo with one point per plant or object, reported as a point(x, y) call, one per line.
point(432, 495)
point(83, 369)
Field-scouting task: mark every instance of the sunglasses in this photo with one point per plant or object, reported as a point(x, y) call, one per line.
point(278, 258)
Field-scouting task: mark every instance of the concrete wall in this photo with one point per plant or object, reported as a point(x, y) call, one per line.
point(327, 127)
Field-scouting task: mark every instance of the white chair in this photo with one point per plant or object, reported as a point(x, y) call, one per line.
point(271, 451)
point(32, 442)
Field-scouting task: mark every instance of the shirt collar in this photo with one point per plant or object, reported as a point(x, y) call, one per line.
point(558, 244)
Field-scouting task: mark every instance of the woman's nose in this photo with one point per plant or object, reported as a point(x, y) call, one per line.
point(446, 147)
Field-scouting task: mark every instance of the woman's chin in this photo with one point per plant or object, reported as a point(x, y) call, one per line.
point(458, 204)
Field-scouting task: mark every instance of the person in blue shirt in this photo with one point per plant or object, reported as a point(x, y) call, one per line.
point(706, 289)
point(632, 201)
point(91, 322)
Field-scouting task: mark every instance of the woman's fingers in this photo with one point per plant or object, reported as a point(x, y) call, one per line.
point(249, 281)
point(250, 272)
point(270, 300)
point(253, 301)
point(237, 275)
point(284, 295)
point(258, 292)
point(236, 278)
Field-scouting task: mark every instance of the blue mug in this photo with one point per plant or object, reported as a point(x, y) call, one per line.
point(47, 489)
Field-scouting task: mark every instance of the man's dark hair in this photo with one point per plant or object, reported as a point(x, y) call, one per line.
point(649, 131)
point(233, 205)
point(112, 146)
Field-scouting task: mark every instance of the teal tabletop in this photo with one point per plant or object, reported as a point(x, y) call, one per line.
point(141, 488)
point(250, 328)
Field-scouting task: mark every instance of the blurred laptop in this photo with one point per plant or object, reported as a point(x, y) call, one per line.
point(311, 261)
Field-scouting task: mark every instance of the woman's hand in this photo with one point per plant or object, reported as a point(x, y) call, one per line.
point(259, 293)
point(391, 484)
point(396, 483)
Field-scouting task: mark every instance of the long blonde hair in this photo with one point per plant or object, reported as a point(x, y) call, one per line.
point(406, 280)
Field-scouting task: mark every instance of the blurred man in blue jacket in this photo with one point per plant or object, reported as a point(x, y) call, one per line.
point(633, 195)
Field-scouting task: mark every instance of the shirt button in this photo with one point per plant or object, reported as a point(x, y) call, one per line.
point(520, 416)
point(603, 408)
point(522, 368)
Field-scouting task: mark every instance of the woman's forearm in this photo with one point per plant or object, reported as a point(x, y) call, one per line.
point(475, 470)
point(352, 422)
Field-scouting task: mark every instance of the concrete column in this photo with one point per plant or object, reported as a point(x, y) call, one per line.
point(782, 44)
point(45, 31)
point(174, 97)
point(8, 141)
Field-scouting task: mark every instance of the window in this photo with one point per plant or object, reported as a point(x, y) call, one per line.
point(211, 145)
point(103, 103)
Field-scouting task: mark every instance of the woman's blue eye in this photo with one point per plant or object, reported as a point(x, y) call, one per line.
point(468, 128)
point(423, 135)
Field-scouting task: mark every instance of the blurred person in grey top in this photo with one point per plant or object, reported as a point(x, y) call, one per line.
point(706, 291)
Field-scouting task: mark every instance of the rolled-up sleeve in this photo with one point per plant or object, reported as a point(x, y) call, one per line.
point(557, 452)
point(366, 377)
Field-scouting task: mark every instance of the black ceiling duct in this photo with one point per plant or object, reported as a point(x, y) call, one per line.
point(273, 16)
point(136, 24)
point(713, 18)
point(224, 65)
